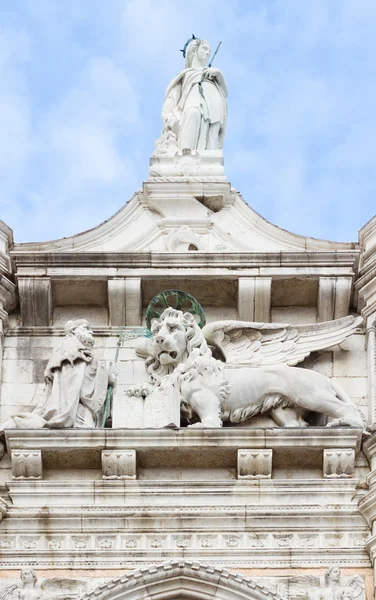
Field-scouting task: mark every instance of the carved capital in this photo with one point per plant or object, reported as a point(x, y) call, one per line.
point(255, 464)
point(339, 463)
point(119, 464)
point(27, 464)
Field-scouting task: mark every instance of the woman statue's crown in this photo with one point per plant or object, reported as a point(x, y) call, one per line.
point(187, 44)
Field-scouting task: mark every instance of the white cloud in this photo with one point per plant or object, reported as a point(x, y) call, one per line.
point(81, 87)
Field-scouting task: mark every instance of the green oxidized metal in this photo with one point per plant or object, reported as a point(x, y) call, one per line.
point(174, 299)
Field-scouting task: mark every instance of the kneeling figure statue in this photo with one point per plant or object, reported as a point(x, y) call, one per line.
point(76, 386)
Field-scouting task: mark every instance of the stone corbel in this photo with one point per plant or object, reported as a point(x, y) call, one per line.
point(119, 464)
point(124, 301)
point(27, 464)
point(116, 289)
point(255, 464)
point(334, 298)
point(35, 301)
point(133, 301)
point(339, 463)
point(254, 297)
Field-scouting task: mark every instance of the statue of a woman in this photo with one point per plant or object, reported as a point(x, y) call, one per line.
point(195, 110)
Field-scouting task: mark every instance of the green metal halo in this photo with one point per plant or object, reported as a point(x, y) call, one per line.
point(174, 299)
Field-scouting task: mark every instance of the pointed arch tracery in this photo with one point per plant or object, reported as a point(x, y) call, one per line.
point(181, 580)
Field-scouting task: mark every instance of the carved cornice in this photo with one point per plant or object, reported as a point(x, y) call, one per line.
point(187, 439)
point(345, 258)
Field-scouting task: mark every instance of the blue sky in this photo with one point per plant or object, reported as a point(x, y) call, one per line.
point(81, 90)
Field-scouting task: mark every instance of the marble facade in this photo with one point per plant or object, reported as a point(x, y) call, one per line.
point(147, 507)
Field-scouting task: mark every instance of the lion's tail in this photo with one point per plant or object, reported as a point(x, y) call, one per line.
point(340, 393)
point(243, 414)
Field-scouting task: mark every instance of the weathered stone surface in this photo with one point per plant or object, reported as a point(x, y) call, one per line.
point(206, 498)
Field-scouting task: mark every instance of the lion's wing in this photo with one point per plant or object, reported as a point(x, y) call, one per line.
point(357, 586)
point(275, 344)
point(11, 592)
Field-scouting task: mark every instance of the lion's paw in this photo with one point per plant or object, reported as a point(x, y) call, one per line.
point(338, 423)
point(141, 390)
point(207, 424)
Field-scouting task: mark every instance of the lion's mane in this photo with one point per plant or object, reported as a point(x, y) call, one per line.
point(195, 342)
point(200, 362)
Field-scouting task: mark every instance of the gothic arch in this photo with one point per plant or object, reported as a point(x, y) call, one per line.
point(181, 580)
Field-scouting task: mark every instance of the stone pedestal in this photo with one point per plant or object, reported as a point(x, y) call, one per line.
point(185, 500)
point(188, 163)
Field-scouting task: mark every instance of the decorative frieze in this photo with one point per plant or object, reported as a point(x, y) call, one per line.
point(216, 541)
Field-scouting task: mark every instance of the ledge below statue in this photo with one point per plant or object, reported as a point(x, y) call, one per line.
point(126, 454)
point(207, 164)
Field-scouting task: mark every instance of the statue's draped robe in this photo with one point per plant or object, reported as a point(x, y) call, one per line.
point(183, 93)
point(76, 387)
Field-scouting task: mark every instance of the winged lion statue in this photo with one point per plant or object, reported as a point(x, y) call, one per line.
point(256, 376)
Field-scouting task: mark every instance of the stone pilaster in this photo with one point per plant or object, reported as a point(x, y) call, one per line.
point(367, 504)
point(254, 295)
point(371, 368)
point(365, 297)
point(334, 298)
point(7, 287)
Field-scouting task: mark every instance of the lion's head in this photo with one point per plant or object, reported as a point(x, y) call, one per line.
point(175, 336)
